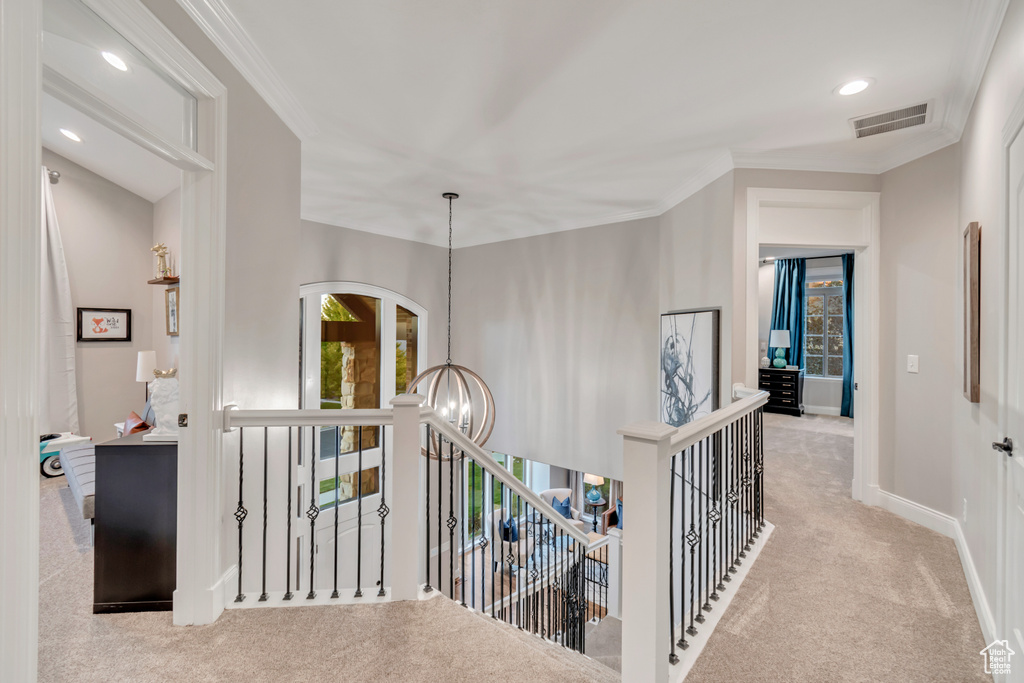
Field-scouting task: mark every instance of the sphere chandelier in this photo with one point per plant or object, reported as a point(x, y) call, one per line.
point(466, 403)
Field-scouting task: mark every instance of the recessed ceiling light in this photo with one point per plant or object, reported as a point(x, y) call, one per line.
point(854, 87)
point(70, 135)
point(115, 61)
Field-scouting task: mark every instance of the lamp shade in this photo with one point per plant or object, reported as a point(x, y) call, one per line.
point(146, 365)
point(593, 479)
point(779, 339)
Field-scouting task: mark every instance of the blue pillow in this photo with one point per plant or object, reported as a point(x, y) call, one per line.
point(562, 506)
point(509, 531)
point(618, 512)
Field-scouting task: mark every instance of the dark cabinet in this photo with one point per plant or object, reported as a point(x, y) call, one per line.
point(785, 388)
point(136, 525)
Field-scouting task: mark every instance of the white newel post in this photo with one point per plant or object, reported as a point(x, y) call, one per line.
point(646, 631)
point(404, 500)
point(615, 574)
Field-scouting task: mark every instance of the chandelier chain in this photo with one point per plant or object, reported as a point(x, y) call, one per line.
point(449, 361)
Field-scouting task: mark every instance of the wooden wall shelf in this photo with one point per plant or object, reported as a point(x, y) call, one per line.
point(165, 281)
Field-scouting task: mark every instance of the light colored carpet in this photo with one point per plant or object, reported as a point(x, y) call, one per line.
point(434, 640)
point(841, 591)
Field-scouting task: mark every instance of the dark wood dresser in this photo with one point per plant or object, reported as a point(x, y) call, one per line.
point(786, 390)
point(136, 525)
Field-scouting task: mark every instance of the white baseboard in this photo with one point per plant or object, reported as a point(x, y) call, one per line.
point(950, 527)
point(822, 410)
point(209, 604)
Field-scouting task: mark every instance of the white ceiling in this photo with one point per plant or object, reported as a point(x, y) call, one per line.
point(556, 114)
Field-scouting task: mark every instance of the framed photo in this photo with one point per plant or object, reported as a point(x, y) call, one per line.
point(104, 325)
point(972, 313)
point(689, 365)
point(171, 311)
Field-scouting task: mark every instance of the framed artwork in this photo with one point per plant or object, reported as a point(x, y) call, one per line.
point(689, 365)
point(972, 313)
point(171, 311)
point(104, 325)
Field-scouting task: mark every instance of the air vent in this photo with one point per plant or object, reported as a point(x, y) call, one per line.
point(890, 121)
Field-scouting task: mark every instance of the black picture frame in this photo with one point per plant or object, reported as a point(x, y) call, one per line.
point(104, 324)
point(690, 373)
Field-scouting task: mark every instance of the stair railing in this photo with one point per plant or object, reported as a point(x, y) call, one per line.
point(695, 508)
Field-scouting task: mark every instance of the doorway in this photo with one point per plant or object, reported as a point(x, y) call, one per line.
point(820, 222)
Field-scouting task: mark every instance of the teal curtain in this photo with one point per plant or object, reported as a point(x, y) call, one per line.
point(788, 306)
point(847, 407)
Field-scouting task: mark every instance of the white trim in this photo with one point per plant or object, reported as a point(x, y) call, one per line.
point(866, 309)
point(822, 410)
point(220, 26)
point(949, 527)
point(20, 245)
point(715, 169)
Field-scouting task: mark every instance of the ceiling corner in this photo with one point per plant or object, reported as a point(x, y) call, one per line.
point(221, 27)
point(715, 169)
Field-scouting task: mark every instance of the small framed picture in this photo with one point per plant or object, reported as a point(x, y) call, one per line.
point(104, 324)
point(171, 301)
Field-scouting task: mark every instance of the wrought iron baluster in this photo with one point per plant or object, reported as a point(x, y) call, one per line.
point(692, 537)
point(744, 486)
point(440, 506)
point(680, 462)
point(452, 521)
point(760, 467)
point(733, 499)
point(266, 460)
point(462, 532)
point(240, 511)
point(501, 532)
point(337, 503)
point(288, 536)
point(715, 515)
point(672, 657)
point(495, 542)
point(382, 509)
point(701, 516)
point(313, 511)
point(359, 516)
point(427, 588)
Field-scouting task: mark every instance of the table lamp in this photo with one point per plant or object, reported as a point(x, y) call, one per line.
point(595, 480)
point(144, 368)
point(779, 340)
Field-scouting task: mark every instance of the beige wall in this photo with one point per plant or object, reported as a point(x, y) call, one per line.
point(106, 232)
point(696, 258)
point(418, 271)
point(564, 329)
point(918, 310)
point(166, 230)
point(981, 167)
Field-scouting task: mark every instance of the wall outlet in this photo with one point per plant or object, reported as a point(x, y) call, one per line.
point(912, 364)
point(965, 512)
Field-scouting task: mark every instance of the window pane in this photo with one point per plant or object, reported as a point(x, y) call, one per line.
point(813, 365)
point(405, 353)
point(835, 305)
point(475, 497)
point(815, 325)
point(347, 486)
point(350, 359)
point(835, 367)
point(814, 346)
point(835, 347)
point(815, 305)
point(835, 324)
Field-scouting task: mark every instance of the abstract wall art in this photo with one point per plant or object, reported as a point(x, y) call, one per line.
point(689, 375)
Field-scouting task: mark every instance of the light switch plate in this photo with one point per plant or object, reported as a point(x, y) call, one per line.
point(912, 364)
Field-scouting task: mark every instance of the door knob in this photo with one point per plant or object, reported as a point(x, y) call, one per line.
point(1005, 446)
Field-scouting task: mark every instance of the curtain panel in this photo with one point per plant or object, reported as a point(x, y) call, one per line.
point(847, 406)
point(788, 306)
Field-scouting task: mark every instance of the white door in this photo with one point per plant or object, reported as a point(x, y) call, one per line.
point(1013, 599)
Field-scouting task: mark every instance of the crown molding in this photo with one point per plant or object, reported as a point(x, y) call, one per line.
point(221, 27)
point(966, 69)
point(715, 169)
point(922, 146)
point(803, 161)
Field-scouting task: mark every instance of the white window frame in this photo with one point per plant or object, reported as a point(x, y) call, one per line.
point(825, 292)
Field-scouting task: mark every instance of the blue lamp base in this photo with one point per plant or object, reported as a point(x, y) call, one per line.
point(593, 495)
point(780, 358)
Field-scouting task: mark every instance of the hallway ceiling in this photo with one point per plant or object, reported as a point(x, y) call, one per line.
point(549, 115)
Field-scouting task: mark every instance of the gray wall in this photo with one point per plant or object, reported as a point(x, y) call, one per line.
point(975, 426)
point(418, 271)
point(918, 313)
point(106, 232)
point(564, 329)
point(696, 257)
point(262, 270)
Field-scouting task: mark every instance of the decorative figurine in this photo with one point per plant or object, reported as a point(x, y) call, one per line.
point(161, 259)
point(164, 400)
